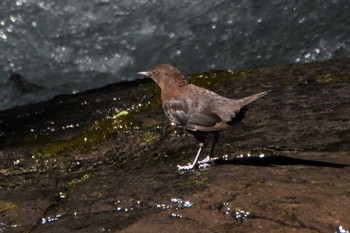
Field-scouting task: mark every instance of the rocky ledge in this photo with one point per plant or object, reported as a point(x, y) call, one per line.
point(105, 160)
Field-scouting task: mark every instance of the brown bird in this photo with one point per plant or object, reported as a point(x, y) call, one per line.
point(196, 109)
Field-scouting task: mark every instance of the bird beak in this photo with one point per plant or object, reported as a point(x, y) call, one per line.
point(145, 73)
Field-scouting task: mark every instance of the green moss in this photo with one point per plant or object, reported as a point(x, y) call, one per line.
point(6, 206)
point(98, 132)
point(148, 137)
point(143, 98)
point(217, 79)
point(121, 113)
point(328, 78)
point(125, 121)
point(73, 183)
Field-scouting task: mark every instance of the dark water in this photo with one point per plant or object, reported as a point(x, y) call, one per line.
point(70, 46)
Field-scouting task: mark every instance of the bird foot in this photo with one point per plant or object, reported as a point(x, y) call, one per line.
point(204, 165)
point(190, 166)
point(186, 167)
point(207, 160)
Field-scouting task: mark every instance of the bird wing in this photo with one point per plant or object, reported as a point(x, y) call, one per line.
point(182, 113)
point(176, 111)
point(207, 119)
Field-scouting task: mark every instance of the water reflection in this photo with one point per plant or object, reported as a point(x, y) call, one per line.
point(175, 204)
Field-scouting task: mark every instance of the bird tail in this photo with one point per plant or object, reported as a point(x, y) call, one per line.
point(249, 99)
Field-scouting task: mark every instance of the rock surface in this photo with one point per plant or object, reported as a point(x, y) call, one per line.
point(105, 160)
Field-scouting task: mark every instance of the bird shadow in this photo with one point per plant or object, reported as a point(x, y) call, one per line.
point(276, 160)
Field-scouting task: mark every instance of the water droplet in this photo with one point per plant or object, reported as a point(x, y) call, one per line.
point(341, 229)
point(19, 3)
point(187, 204)
point(50, 219)
point(13, 18)
point(3, 35)
point(301, 20)
point(307, 55)
point(16, 162)
point(174, 215)
point(62, 195)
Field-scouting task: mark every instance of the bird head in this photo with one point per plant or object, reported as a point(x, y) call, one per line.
point(165, 76)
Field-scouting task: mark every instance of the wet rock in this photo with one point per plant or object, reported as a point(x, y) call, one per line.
point(105, 160)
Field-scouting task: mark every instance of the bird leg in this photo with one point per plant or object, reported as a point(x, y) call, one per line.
point(209, 158)
point(195, 162)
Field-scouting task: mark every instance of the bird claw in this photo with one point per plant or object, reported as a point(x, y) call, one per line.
point(187, 167)
point(190, 166)
point(204, 165)
point(207, 160)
